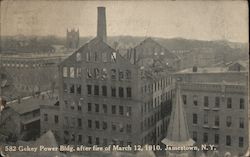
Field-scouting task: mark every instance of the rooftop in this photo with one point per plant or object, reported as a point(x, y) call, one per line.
point(30, 103)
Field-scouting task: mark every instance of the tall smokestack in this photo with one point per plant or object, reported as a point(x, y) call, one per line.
point(101, 24)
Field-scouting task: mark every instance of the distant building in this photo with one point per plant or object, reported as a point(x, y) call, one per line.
point(72, 39)
point(26, 74)
point(149, 52)
point(216, 103)
point(106, 99)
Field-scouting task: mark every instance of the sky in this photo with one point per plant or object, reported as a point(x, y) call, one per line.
point(203, 20)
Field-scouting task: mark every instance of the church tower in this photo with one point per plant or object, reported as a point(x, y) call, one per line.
point(178, 133)
point(72, 39)
point(101, 24)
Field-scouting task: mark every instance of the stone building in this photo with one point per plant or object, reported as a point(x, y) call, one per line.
point(216, 103)
point(106, 99)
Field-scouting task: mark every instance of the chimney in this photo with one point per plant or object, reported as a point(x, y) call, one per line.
point(101, 24)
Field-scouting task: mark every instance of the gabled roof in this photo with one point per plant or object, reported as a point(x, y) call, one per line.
point(98, 45)
point(178, 133)
point(153, 41)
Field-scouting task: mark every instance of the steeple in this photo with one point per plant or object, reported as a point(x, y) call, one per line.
point(101, 24)
point(178, 133)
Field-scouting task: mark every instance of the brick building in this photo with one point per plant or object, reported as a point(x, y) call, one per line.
point(216, 104)
point(106, 99)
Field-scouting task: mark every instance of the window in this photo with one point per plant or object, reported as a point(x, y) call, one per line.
point(95, 56)
point(45, 117)
point(205, 137)
point(96, 90)
point(195, 119)
point(113, 74)
point(121, 111)
point(129, 128)
point(228, 140)
point(113, 91)
point(129, 111)
point(121, 94)
point(229, 121)
point(205, 117)
point(96, 73)
point(89, 75)
point(216, 120)
point(97, 124)
point(73, 122)
point(229, 102)
point(121, 75)
point(129, 92)
point(79, 138)
point(89, 87)
point(97, 108)
point(88, 56)
point(89, 107)
point(73, 137)
point(104, 73)
point(56, 119)
point(104, 57)
point(195, 136)
point(184, 99)
point(104, 125)
point(89, 123)
point(216, 138)
point(72, 72)
point(217, 102)
point(128, 74)
point(78, 72)
point(105, 108)
point(113, 126)
point(79, 122)
point(195, 100)
point(105, 142)
point(79, 89)
point(206, 101)
point(241, 124)
point(97, 140)
point(65, 87)
point(79, 106)
point(89, 139)
point(65, 71)
point(242, 103)
point(113, 57)
point(121, 128)
point(104, 90)
point(241, 142)
point(72, 88)
point(113, 109)
point(78, 56)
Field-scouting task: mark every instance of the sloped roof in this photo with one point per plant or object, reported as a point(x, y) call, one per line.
point(153, 41)
point(30, 104)
point(178, 133)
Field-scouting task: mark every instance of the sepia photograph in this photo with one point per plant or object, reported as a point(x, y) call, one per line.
point(124, 78)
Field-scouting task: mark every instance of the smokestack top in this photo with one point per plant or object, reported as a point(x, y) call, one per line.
point(101, 24)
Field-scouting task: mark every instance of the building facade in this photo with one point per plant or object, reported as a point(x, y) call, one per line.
point(216, 104)
point(106, 99)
